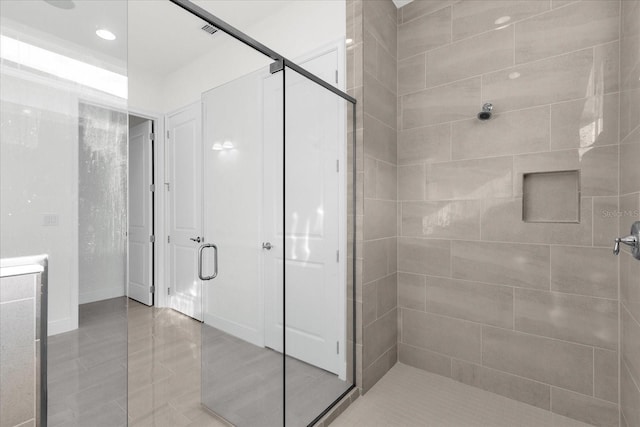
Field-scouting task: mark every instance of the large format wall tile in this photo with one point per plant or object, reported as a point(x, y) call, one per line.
point(424, 256)
point(631, 344)
point(424, 33)
point(477, 302)
point(412, 291)
point(380, 219)
point(380, 140)
point(512, 386)
point(424, 359)
point(380, 102)
point(551, 361)
point(454, 101)
point(474, 17)
point(502, 221)
point(585, 122)
point(629, 398)
point(516, 132)
point(570, 28)
point(605, 220)
point(411, 182)
point(630, 284)
point(629, 168)
point(411, 74)
point(584, 271)
point(584, 408)
point(470, 179)
point(424, 144)
point(605, 370)
point(467, 58)
point(501, 263)
point(448, 336)
point(584, 320)
point(595, 166)
point(560, 78)
point(449, 219)
point(378, 337)
point(376, 259)
point(419, 8)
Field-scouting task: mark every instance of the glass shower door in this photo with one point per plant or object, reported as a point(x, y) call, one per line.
point(242, 377)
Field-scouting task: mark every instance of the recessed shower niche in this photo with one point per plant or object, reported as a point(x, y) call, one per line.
point(551, 197)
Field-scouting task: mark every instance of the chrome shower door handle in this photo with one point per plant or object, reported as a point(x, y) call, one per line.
point(632, 240)
point(215, 261)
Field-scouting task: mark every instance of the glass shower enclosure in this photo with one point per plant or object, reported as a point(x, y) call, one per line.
point(276, 342)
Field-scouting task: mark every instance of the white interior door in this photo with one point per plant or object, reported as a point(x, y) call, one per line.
point(140, 222)
point(184, 149)
point(313, 143)
point(233, 207)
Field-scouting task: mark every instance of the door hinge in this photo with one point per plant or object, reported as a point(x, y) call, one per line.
point(152, 238)
point(152, 188)
point(337, 256)
point(336, 76)
point(168, 186)
point(167, 134)
point(152, 289)
point(152, 136)
point(337, 165)
point(168, 239)
point(168, 291)
point(337, 347)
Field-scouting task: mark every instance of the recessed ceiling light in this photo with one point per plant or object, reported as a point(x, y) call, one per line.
point(514, 75)
point(502, 20)
point(105, 34)
point(349, 41)
point(217, 147)
point(228, 145)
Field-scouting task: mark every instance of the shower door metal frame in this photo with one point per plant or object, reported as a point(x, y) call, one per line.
point(280, 64)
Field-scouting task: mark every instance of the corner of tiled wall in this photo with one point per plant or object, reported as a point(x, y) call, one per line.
point(629, 173)
point(371, 63)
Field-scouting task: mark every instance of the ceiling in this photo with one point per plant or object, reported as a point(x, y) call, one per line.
point(154, 35)
point(163, 37)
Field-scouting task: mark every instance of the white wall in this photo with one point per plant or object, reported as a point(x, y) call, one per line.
point(39, 176)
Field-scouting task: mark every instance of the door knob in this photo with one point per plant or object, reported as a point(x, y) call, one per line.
point(196, 239)
point(267, 245)
point(632, 240)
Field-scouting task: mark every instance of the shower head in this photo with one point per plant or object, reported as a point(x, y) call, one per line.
point(485, 114)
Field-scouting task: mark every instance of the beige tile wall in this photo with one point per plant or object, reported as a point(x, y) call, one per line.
point(379, 287)
point(629, 211)
point(526, 310)
point(372, 80)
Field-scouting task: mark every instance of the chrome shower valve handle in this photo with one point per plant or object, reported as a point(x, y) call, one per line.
point(633, 240)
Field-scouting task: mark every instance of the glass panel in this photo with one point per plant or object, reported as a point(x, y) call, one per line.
point(317, 304)
point(63, 190)
point(242, 374)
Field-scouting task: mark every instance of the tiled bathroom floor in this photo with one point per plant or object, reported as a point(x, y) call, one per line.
point(408, 397)
point(88, 374)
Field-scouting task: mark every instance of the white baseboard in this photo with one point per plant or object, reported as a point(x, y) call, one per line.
point(250, 335)
point(55, 327)
point(100, 295)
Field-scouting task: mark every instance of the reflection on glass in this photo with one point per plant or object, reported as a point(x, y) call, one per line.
point(63, 188)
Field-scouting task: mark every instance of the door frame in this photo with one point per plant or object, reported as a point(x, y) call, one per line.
point(159, 229)
point(166, 206)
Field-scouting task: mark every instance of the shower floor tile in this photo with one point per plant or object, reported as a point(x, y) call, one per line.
point(408, 397)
